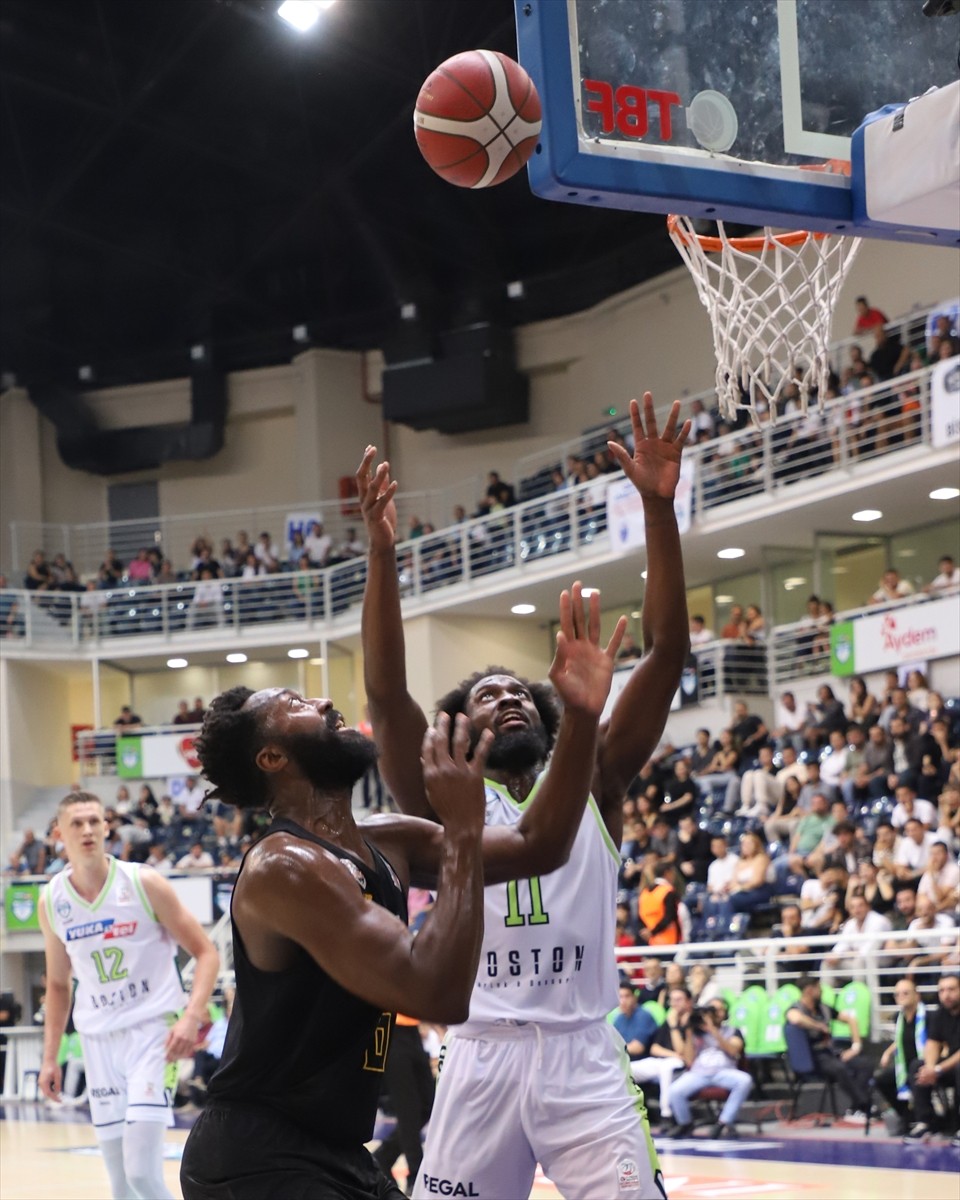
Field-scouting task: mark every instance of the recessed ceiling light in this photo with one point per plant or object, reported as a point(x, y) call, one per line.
point(176, 663)
point(731, 552)
point(794, 582)
point(302, 14)
point(643, 574)
point(523, 610)
point(298, 652)
point(839, 571)
point(586, 593)
point(868, 514)
point(945, 493)
point(236, 658)
point(723, 599)
point(636, 614)
point(317, 662)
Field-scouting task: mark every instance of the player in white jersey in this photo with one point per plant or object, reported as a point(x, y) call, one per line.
point(114, 928)
point(536, 1073)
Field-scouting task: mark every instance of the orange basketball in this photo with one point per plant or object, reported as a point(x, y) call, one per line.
point(477, 118)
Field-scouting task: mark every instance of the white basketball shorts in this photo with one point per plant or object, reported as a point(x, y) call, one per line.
point(519, 1094)
point(128, 1077)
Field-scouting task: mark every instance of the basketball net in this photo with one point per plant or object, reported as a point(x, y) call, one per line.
point(770, 300)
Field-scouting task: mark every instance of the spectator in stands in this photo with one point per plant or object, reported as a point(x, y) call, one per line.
point(182, 716)
point(758, 792)
point(939, 327)
point(711, 1051)
point(38, 577)
point(206, 562)
point(267, 553)
point(700, 634)
point(665, 1059)
point(629, 650)
point(808, 833)
point(166, 573)
point(850, 1069)
point(948, 575)
point(723, 868)
point(196, 859)
point(623, 927)
point(93, 608)
point(352, 545)
point(948, 816)
point(889, 356)
point(657, 907)
point(852, 956)
point(905, 1052)
point(702, 753)
point(941, 1059)
point(297, 549)
point(867, 317)
point(663, 843)
point(128, 719)
point(948, 349)
point(11, 619)
point(654, 982)
point(748, 729)
point(891, 587)
point(500, 492)
point(229, 558)
point(702, 984)
point(870, 779)
point(682, 792)
point(918, 690)
point(111, 569)
point(911, 751)
point(701, 422)
point(877, 886)
point(782, 822)
point(823, 715)
point(198, 712)
point(140, 569)
point(750, 889)
point(251, 567)
point(862, 707)
point(723, 768)
point(898, 705)
point(789, 721)
point(694, 854)
point(941, 880)
point(731, 630)
point(821, 901)
point(944, 952)
point(206, 606)
point(912, 855)
point(135, 838)
point(30, 857)
point(634, 1024)
point(840, 847)
point(908, 806)
point(833, 762)
point(64, 576)
point(318, 544)
point(158, 858)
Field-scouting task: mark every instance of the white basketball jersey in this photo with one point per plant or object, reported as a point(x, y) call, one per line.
point(123, 959)
point(548, 942)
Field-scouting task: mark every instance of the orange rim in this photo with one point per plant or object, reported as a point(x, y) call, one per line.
point(749, 245)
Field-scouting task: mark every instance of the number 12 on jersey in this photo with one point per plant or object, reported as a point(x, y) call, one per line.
point(514, 916)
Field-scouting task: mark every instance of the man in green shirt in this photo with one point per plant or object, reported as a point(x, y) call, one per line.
point(808, 834)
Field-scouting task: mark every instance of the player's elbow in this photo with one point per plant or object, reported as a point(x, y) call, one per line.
point(447, 1006)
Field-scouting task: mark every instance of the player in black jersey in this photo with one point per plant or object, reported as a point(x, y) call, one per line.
point(322, 952)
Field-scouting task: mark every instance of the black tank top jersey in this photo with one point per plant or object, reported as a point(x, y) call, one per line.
point(300, 1043)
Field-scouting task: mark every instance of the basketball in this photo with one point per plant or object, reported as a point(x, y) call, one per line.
point(477, 118)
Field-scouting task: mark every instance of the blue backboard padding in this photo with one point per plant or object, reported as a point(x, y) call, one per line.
point(560, 170)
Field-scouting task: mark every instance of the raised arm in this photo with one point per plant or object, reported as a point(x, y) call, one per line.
point(398, 721)
point(640, 713)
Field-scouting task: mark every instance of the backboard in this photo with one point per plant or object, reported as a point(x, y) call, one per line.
point(741, 110)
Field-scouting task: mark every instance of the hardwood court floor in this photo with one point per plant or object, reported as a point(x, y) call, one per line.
point(55, 1158)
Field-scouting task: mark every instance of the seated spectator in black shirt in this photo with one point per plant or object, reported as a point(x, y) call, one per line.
point(941, 1060)
point(850, 1069)
point(888, 354)
point(38, 577)
point(901, 1056)
point(128, 719)
point(748, 730)
point(682, 791)
point(694, 855)
point(701, 756)
point(184, 716)
point(823, 716)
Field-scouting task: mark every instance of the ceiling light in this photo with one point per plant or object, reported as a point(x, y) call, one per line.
point(298, 652)
point(723, 599)
point(586, 593)
point(515, 289)
point(523, 610)
point(85, 374)
point(731, 552)
point(868, 514)
point(176, 663)
point(643, 574)
point(236, 658)
point(302, 14)
point(839, 571)
point(408, 312)
point(198, 352)
point(945, 493)
point(636, 614)
point(317, 662)
point(301, 334)
point(795, 582)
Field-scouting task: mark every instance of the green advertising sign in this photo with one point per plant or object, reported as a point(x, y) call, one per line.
point(20, 902)
point(842, 658)
point(129, 758)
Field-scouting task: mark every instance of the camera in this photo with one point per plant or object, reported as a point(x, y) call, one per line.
point(698, 1019)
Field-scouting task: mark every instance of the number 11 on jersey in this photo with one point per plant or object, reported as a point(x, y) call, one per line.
point(514, 916)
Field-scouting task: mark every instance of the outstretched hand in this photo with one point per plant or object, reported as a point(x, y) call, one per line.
point(654, 466)
point(452, 777)
point(582, 671)
point(376, 492)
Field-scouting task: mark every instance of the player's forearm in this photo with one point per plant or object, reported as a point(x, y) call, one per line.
point(664, 620)
point(549, 826)
point(381, 630)
point(446, 951)
point(205, 972)
point(56, 1009)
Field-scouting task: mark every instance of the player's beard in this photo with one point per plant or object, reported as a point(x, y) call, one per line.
point(332, 760)
point(518, 749)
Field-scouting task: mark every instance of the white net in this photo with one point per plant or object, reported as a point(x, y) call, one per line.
point(770, 300)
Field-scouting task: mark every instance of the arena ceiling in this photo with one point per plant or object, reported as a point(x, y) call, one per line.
point(178, 171)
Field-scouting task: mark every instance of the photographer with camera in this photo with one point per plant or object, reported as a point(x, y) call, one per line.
point(711, 1050)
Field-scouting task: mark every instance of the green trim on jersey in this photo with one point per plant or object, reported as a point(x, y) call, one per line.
point(143, 895)
point(518, 804)
point(639, 1103)
point(103, 893)
point(604, 831)
point(48, 897)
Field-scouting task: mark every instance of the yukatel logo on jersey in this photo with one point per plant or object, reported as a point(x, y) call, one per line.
point(109, 929)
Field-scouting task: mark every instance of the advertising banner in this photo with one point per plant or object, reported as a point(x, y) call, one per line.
point(157, 755)
point(945, 402)
point(625, 509)
point(891, 639)
point(20, 903)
